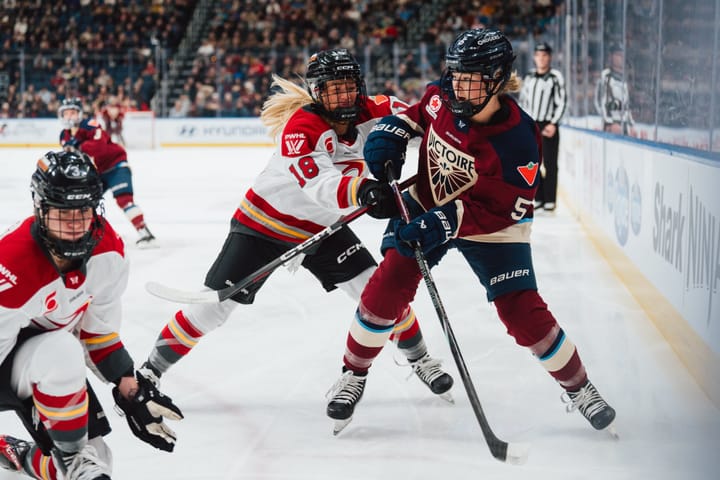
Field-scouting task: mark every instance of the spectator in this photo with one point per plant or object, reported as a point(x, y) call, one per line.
point(612, 98)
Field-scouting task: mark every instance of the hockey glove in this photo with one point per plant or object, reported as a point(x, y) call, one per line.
point(146, 411)
point(72, 144)
point(387, 141)
point(431, 229)
point(379, 197)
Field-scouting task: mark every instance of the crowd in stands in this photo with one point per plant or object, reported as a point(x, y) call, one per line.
point(106, 49)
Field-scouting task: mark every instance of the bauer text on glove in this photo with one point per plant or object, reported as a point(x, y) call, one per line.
point(146, 411)
point(431, 229)
point(387, 141)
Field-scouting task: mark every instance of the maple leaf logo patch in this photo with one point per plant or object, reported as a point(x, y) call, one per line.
point(529, 172)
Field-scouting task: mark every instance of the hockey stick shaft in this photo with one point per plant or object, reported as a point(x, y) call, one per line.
point(498, 448)
point(211, 296)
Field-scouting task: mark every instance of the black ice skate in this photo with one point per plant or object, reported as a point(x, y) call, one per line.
point(82, 465)
point(344, 395)
point(592, 406)
point(147, 239)
point(12, 453)
point(428, 370)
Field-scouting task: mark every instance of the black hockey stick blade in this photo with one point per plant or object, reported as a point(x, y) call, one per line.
point(513, 453)
point(212, 296)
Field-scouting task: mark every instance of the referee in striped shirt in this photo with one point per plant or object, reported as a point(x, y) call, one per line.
point(544, 98)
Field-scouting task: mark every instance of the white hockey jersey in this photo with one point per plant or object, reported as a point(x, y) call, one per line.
point(313, 176)
point(87, 302)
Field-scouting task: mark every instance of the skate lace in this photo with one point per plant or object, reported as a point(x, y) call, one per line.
point(427, 368)
point(587, 400)
point(86, 465)
point(347, 389)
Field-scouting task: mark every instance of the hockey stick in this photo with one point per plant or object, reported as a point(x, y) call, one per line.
point(212, 296)
point(514, 453)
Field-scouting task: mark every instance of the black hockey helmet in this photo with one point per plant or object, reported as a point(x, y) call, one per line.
point(67, 181)
point(336, 64)
point(484, 50)
point(71, 103)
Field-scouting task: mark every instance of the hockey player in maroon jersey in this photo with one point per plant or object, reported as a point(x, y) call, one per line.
point(112, 115)
point(477, 175)
point(62, 273)
point(316, 175)
point(110, 160)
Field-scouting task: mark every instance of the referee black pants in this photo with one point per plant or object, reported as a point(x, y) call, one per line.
point(547, 188)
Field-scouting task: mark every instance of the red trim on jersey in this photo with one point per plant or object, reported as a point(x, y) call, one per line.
point(101, 354)
point(26, 267)
point(344, 193)
point(274, 215)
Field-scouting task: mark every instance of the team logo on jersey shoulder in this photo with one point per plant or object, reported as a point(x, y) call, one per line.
point(7, 278)
point(451, 170)
point(329, 145)
point(293, 144)
point(529, 172)
point(433, 106)
point(51, 303)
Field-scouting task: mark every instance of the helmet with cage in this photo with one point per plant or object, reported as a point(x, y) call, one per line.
point(70, 104)
point(67, 193)
point(330, 75)
point(485, 52)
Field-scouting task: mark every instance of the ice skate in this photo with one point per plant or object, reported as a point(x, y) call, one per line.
point(429, 372)
point(146, 240)
point(344, 395)
point(12, 453)
point(592, 406)
point(82, 465)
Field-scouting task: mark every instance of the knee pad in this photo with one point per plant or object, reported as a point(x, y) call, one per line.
point(206, 317)
point(355, 286)
point(525, 316)
point(55, 361)
point(392, 286)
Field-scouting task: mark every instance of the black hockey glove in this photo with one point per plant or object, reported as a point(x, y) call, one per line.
point(146, 411)
point(379, 197)
point(387, 141)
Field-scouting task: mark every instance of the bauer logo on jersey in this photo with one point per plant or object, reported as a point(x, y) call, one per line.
point(7, 278)
point(433, 106)
point(293, 144)
point(529, 172)
point(452, 171)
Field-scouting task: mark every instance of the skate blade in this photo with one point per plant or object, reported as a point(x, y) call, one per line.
point(610, 429)
point(447, 396)
point(340, 425)
point(147, 244)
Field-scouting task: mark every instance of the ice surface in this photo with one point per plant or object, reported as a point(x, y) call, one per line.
point(253, 391)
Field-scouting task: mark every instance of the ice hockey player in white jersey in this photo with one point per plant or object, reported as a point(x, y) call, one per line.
point(316, 175)
point(62, 274)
